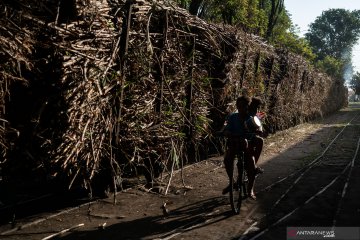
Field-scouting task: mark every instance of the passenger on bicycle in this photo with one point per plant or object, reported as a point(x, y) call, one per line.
point(236, 132)
point(257, 142)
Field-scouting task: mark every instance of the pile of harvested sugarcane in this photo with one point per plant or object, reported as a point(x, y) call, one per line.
point(122, 86)
point(16, 47)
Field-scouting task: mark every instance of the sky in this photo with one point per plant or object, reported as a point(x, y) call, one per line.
point(304, 12)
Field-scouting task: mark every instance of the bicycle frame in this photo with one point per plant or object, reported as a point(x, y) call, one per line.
point(237, 182)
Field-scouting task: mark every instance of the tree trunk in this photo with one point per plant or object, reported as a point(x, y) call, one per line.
point(277, 6)
point(195, 6)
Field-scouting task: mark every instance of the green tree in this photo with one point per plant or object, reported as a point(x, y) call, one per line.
point(276, 10)
point(355, 83)
point(256, 18)
point(295, 44)
point(265, 18)
point(334, 33)
point(261, 17)
point(233, 12)
point(332, 66)
point(183, 3)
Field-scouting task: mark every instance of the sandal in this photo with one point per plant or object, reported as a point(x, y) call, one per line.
point(259, 170)
point(252, 196)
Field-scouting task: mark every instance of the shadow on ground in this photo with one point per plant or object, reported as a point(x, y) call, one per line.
point(179, 220)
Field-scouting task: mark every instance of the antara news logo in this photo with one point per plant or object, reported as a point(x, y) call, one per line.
point(298, 233)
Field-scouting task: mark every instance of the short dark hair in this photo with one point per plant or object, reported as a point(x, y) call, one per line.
point(256, 102)
point(243, 99)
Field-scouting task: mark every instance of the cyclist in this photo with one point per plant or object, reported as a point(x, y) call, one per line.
point(236, 132)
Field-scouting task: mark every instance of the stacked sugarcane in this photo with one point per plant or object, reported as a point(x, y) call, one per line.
point(128, 86)
point(136, 88)
point(16, 46)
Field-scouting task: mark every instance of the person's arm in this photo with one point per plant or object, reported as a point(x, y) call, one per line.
point(260, 115)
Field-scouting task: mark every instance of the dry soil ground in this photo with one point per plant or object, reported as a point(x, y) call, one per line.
point(194, 208)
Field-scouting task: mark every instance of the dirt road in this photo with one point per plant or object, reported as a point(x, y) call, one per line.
point(311, 178)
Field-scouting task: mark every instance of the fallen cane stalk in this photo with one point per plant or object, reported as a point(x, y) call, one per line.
point(63, 231)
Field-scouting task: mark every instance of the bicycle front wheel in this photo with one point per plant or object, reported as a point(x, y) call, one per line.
point(236, 184)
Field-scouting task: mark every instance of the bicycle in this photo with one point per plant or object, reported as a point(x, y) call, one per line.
point(237, 175)
point(237, 182)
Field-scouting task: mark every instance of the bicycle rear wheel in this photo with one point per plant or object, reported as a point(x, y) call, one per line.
point(237, 186)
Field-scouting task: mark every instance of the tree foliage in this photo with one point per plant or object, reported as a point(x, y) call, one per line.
point(332, 66)
point(332, 37)
point(334, 33)
point(260, 17)
point(355, 83)
point(244, 14)
point(276, 10)
point(265, 18)
point(296, 44)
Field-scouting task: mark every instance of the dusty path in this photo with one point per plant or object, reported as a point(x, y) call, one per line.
point(313, 162)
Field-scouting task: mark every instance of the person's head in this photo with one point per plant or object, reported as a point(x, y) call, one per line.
point(242, 104)
point(255, 105)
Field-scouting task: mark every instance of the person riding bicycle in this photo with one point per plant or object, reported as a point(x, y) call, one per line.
point(236, 132)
